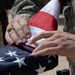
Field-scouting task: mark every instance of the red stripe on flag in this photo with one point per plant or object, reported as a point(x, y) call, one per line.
point(44, 21)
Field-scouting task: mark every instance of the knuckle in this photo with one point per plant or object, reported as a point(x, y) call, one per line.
point(18, 29)
point(60, 47)
point(27, 31)
point(25, 27)
point(22, 36)
point(47, 49)
point(43, 44)
point(15, 39)
point(58, 35)
point(23, 22)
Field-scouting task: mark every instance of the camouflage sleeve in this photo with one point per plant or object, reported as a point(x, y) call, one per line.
point(68, 12)
point(25, 8)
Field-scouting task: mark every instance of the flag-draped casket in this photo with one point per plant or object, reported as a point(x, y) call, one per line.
point(16, 60)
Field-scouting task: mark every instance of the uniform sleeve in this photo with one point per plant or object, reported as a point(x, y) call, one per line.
point(24, 8)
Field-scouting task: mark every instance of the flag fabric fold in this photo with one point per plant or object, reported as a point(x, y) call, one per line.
point(16, 60)
point(46, 19)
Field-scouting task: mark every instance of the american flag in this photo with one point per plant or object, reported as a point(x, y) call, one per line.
point(16, 60)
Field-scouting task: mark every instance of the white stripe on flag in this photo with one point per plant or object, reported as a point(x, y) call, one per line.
point(34, 32)
point(53, 8)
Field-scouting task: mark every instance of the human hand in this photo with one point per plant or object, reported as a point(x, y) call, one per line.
point(56, 42)
point(17, 31)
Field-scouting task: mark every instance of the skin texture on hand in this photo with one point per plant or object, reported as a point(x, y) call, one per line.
point(20, 33)
point(56, 42)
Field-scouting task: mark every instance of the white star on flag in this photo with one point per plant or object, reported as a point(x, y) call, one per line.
point(51, 55)
point(54, 56)
point(9, 73)
point(1, 59)
point(41, 69)
point(49, 61)
point(20, 61)
point(12, 53)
